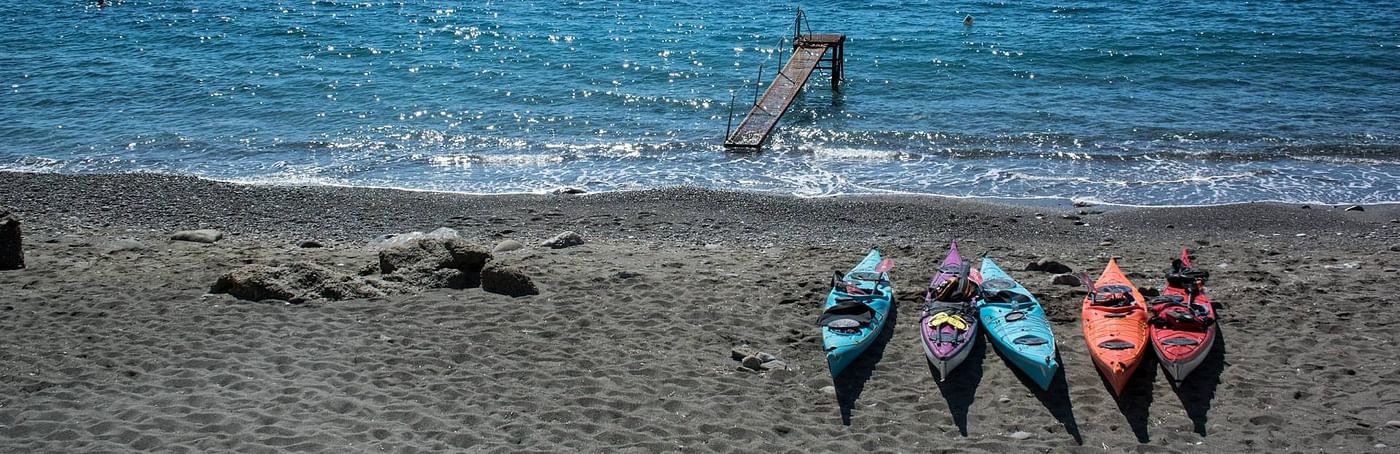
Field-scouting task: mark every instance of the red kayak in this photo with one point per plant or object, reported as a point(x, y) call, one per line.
point(1182, 325)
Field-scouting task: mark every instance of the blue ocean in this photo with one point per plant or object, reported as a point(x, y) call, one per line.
point(1188, 102)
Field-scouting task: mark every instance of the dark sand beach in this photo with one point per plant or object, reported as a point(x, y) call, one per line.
point(113, 342)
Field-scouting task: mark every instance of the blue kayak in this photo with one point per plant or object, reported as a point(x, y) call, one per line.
point(1015, 322)
point(855, 311)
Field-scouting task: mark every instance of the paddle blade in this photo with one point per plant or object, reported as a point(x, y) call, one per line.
point(1088, 284)
point(884, 266)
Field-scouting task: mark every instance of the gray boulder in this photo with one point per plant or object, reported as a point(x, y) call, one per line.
point(440, 278)
point(298, 282)
point(198, 236)
point(505, 280)
point(11, 246)
point(434, 263)
point(1067, 279)
point(431, 254)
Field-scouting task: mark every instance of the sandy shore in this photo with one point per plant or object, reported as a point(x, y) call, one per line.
point(113, 344)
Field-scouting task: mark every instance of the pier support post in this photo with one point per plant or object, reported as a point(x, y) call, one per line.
point(838, 63)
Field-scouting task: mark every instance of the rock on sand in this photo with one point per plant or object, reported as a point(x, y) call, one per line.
point(297, 282)
point(434, 263)
point(502, 279)
point(1048, 266)
point(563, 240)
point(1067, 279)
point(507, 246)
point(198, 236)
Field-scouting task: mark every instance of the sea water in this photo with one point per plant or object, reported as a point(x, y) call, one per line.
point(1149, 103)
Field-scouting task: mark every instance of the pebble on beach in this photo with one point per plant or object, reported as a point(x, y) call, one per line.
point(198, 236)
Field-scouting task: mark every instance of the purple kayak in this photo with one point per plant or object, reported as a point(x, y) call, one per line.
point(948, 322)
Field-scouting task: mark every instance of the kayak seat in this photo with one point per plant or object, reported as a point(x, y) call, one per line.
point(1182, 276)
point(995, 285)
point(1007, 297)
point(847, 316)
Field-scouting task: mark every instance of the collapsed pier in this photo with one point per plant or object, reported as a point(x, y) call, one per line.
point(809, 52)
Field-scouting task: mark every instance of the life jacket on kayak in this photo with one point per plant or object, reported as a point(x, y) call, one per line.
point(1176, 312)
point(949, 305)
point(955, 290)
point(1112, 296)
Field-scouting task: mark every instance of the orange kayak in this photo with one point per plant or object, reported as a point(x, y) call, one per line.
point(1114, 317)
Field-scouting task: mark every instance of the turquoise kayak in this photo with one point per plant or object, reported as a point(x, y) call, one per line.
point(1015, 322)
point(855, 310)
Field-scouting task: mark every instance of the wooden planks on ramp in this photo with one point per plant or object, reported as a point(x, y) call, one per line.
point(809, 51)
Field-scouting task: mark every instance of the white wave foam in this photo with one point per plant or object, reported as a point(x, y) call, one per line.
point(855, 154)
point(507, 159)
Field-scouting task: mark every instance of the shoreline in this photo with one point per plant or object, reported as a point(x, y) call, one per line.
point(1036, 202)
point(115, 343)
